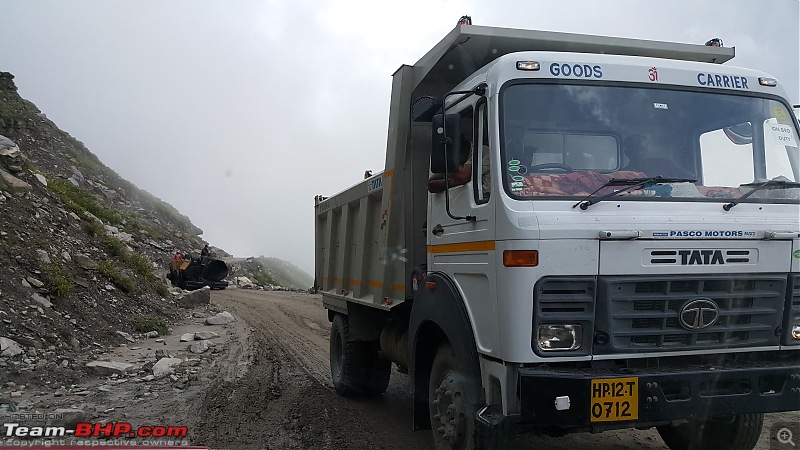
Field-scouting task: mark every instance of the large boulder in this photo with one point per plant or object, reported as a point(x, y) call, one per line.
point(13, 184)
point(197, 297)
point(9, 347)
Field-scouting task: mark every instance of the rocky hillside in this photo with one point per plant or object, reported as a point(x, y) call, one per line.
point(82, 251)
point(267, 273)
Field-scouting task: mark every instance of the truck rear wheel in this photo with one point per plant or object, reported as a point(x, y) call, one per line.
point(356, 367)
point(740, 433)
point(452, 415)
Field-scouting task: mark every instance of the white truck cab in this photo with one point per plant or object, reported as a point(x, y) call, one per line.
point(626, 252)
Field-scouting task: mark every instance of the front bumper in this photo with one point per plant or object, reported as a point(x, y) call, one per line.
point(666, 394)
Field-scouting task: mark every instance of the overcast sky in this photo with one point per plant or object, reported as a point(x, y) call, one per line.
point(239, 112)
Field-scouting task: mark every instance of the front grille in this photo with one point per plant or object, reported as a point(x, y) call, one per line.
point(645, 314)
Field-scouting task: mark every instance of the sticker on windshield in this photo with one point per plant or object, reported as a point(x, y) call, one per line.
point(782, 134)
point(660, 106)
point(780, 114)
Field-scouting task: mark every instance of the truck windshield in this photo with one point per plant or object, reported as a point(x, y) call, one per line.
point(568, 140)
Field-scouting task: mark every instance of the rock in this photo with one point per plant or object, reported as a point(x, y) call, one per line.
point(127, 336)
point(43, 256)
point(124, 237)
point(26, 342)
point(34, 282)
point(161, 353)
point(60, 392)
point(221, 319)
point(66, 417)
point(73, 181)
point(151, 334)
point(66, 256)
point(82, 282)
point(2, 198)
point(9, 347)
point(26, 284)
point(84, 262)
point(109, 194)
point(200, 346)
point(188, 337)
point(14, 184)
point(165, 366)
point(41, 179)
point(41, 300)
point(110, 367)
point(75, 344)
point(197, 297)
point(110, 229)
point(149, 377)
point(205, 335)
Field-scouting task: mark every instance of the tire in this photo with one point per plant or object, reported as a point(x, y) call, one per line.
point(740, 433)
point(379, 371)
point(451, 414)
point(356, 367)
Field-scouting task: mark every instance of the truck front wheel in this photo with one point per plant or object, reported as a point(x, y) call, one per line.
point(356, 366)
point(739, 433)
point(452, 415)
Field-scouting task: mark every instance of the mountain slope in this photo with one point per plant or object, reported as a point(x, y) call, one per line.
point(82, 250)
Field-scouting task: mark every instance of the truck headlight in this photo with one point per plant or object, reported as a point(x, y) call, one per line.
point(562, 337)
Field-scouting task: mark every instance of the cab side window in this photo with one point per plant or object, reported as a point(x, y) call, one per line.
point(482, 175)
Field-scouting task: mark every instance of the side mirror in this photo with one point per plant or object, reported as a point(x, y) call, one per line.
point(446, 143)
point(740, 134)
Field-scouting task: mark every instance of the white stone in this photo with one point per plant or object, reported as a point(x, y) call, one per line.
point(110, 367)
point(221, 319)
point(9, 347)
point(205, 335)
point(165, 366)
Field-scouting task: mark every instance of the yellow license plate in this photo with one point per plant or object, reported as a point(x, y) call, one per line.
point(615, 399)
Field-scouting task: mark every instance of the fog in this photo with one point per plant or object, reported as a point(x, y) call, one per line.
point(239, 113)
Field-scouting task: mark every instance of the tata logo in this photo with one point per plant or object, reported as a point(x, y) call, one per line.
point(700, 257)
point(698, 313)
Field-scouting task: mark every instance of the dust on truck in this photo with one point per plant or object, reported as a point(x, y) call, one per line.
point(626, 253)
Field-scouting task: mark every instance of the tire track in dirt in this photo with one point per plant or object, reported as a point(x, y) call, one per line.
point(284, 399)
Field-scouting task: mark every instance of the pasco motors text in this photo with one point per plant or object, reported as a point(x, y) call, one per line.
point(102, 430)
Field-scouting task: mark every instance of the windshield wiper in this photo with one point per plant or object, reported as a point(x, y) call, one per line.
point(769, 184)
point(629, 183)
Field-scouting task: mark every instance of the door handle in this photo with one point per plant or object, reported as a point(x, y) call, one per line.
point(437, 230)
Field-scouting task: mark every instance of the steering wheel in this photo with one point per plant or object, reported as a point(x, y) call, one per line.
point(546, 166)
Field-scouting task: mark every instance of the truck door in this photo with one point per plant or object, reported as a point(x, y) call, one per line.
point(464, 249)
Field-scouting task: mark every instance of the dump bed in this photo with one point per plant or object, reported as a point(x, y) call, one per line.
point(370, 237)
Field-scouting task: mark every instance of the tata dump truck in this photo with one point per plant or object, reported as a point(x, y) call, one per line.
point(623, 253)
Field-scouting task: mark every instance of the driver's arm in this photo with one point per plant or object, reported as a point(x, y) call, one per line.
point(462, 176)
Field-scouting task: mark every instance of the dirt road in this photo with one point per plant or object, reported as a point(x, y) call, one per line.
point(274, 391)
